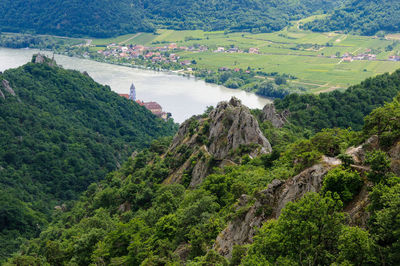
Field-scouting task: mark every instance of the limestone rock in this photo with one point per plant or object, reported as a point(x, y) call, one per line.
point(358, 153)
point(278, 120)
point(7, 87)
point(269, 205)
point(39, 59)
point(229, 132)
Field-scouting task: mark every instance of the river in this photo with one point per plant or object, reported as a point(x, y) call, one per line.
point(181, 96)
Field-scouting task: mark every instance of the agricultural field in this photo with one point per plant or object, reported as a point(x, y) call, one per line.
point(316, 59)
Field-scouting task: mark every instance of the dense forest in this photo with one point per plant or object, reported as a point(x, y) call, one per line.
point(366, 17)
point(60, 131)
point(109, 18)
point(341, 109)
point(96, 18)
point(133, 218)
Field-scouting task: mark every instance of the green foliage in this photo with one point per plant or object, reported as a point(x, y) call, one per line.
point(365, 17)
point(385, 219)
point(356, 247)
point(305, 233)
point(60, 133)
point(344, 109)
point(73, 18)
point(102, 19)
point(346, 159)
point(345, 183)
point(384, 122)
point(380, 166)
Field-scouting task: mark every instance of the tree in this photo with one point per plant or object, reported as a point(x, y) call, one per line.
point(346, 183)
point(305, 233)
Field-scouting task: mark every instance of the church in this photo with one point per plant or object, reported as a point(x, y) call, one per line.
point(153, 107)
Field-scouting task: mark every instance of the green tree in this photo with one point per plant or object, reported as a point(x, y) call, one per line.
point(305, 233)
point(346, 183)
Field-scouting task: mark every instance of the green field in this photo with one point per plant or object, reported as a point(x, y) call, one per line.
point(306, 55)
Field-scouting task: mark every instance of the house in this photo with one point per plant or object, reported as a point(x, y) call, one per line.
point(124, 95)
point(348, 59)
point(186, 63)
point(172, 46)
point(394, 58)
point(254, 51)
point(220, 50)
point(233, 50)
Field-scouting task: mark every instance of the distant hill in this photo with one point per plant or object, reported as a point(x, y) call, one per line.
point(341, 109)
point(104, 18)
point(366, 17)
point(59, 132)
point(97, 18)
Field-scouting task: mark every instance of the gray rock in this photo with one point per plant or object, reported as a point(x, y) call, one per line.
point(278, 120)
point(231, 126)
point(394, 154)
point(7, 87)
point(40, 59)
point(2, 95)
point(269, 205)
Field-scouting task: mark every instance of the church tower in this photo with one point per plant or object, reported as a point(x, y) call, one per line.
point(132, 93)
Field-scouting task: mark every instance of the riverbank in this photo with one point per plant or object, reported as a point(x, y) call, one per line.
point(182, 96)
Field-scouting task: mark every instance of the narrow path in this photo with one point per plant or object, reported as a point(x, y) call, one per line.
point(134, 36)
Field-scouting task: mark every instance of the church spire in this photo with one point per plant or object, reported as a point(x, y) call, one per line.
point(132, 94)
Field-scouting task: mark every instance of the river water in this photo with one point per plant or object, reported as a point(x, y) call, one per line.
point(181, 96)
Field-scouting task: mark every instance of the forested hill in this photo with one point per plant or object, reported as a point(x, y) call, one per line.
point(366, 17)
point(60, 132)
point(237, 15)
point(97, 18)
point(103, 18)
point(341, 109)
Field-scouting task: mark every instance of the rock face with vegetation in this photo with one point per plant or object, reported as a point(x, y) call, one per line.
point(269, 205)
point(317, 199)
point(218, 139)
point(278, 120)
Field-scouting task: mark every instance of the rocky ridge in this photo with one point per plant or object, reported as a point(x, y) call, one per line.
point(7, 88)
point(228, 132)
point(278, 120)
point(269, 204)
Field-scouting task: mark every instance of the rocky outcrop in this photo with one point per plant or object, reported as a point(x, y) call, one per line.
point(6, 85)
point(269, 205)
point(221, 138)
point(42, 59)
point(278, 120)
point(2, 95)
point(358, 153)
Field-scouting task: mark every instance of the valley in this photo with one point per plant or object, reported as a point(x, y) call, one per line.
point(283, 147)
point(308, 61)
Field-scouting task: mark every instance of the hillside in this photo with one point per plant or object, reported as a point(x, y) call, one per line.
point(108, 18)
point(365, 17)
point(60, 131)
point(97, 18)
point(142, 215)
point(340, 109)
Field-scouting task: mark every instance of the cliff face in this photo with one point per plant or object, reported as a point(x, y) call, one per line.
point(269, 205)
point(221, 138)
point(7, 88)
point(278, 120)
point(270, 202)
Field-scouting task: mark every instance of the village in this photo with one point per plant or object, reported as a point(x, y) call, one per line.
point(153, 107)
point(164, 54)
